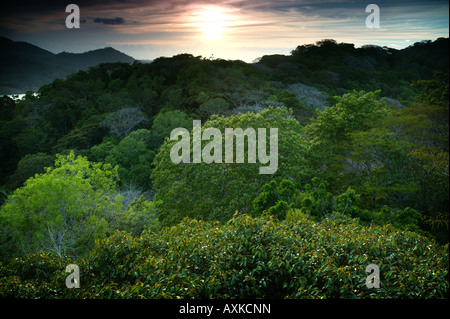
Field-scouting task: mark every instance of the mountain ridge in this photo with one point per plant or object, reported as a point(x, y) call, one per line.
point(26, 67)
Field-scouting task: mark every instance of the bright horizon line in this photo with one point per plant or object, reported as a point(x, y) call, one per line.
point(113, 45)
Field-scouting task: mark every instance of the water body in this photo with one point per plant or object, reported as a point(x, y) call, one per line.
point(15, 96)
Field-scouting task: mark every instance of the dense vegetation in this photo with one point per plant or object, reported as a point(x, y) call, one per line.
point(362, 178)
point(244, 258)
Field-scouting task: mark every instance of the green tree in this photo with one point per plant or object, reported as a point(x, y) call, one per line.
point(99, 152)
point(140, 216)
point(329, 133)
point(275, 199)
point(402, 161)
point(216, 106)
point(134, 160)
point(124, 121)
point(131, 155)
point(62, 210)
point(165, 122)
point(217, 190)
point(314, 199)
point(28, 167)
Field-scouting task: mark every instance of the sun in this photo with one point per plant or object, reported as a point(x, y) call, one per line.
point(212, 23)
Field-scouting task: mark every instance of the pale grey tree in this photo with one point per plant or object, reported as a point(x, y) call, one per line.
point(124, 121)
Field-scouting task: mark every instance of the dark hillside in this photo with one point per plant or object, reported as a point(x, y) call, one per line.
point(26, 67)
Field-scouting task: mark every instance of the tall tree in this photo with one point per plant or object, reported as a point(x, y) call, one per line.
point(218, 190)
point(124, 121)
point(62, 210)
point(329, 133)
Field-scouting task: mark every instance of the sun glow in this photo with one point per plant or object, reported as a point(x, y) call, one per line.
point(212, 22)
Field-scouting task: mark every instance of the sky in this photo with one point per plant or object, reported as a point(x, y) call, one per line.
point(227, 29)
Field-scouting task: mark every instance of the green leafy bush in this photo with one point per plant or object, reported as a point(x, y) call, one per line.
point(38, 275)
point(245, 258)
point(314, 199)
point(274, 199)
point(139, 216)
point(316, 202)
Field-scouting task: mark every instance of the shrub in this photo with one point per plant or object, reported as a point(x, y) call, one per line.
point(246, 258)
point(38, 275)
point(274, 199)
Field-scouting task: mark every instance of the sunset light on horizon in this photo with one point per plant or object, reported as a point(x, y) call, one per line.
point(229, 29)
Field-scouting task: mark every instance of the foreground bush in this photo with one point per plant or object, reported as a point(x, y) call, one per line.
point(245, 258)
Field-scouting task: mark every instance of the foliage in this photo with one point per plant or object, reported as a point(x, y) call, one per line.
point(165, 122)
point(217, 106)
point(315, 202)
point(351, 112)
point(123, 122)
point(275, 198)
point(217, 190)
point(140, 216)
point(131, 155)
point(37, 275)
point(403, 160)
point(362, 178)
point(28, 167)
point(62, 210)
point(244, 258)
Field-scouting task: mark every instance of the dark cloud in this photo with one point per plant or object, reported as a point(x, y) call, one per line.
point(113, 21)
point(55, 7)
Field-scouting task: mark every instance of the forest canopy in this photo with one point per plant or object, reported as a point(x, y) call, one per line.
point(362, 151)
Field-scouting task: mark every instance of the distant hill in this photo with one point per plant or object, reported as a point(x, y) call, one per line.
point(338, 68)
point(26, 67)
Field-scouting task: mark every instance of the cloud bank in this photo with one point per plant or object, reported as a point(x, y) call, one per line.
point(227, 28)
